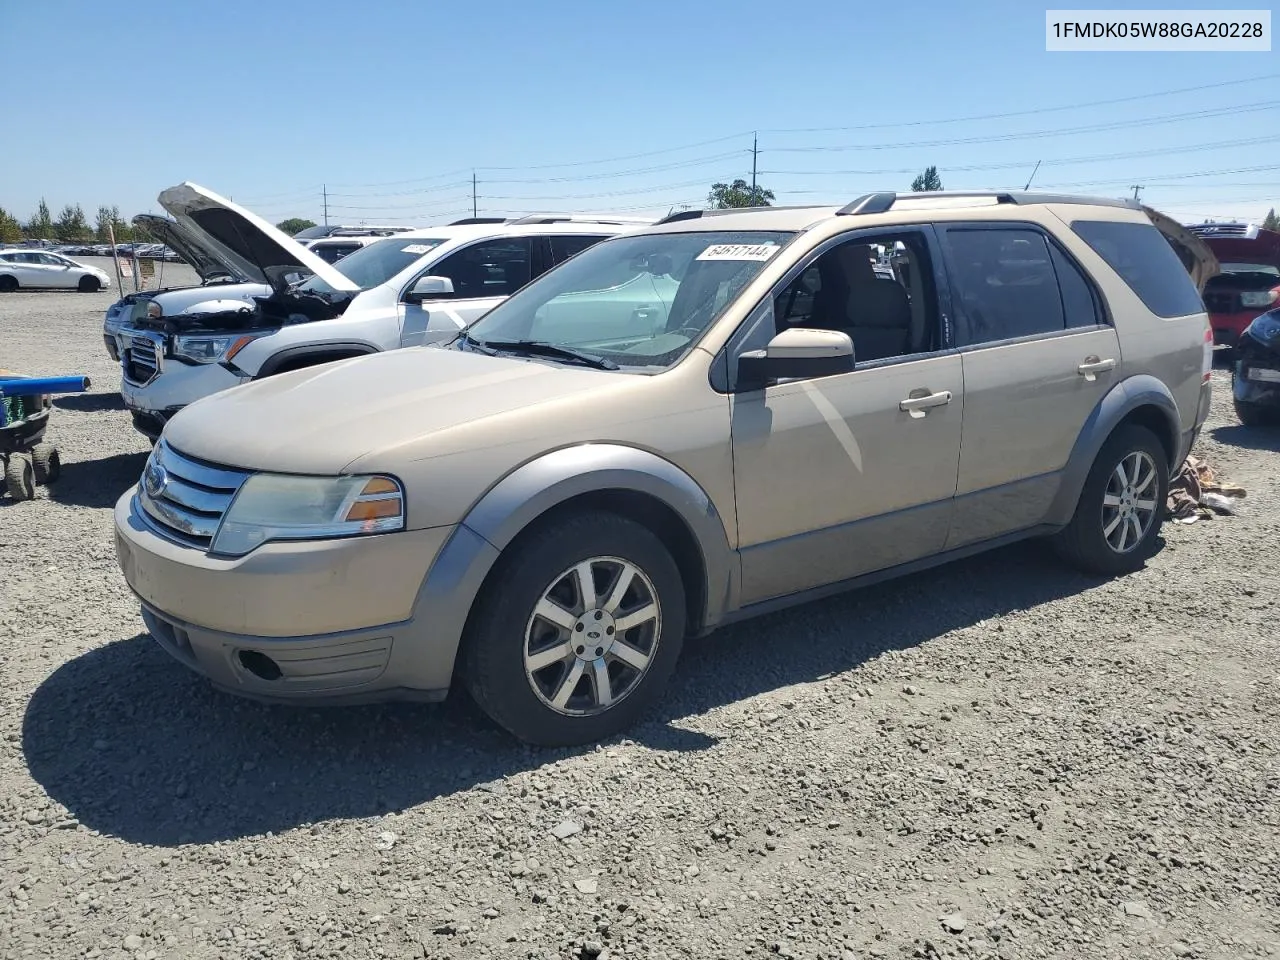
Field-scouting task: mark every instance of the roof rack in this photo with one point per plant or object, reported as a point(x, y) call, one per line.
point(884, 201)
point(470, 220)
point(726, 211)
point(578, 218)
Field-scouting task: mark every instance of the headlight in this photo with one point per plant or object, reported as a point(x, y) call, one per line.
point(209, 349)
point(1259, 298)
point(275, 507)
point(1265, 328)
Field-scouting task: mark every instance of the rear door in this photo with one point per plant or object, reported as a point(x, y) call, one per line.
point(1038, 354)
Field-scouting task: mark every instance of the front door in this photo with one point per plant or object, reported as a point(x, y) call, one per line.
point(1039, 356)
point(483, 275)
point(843, 475)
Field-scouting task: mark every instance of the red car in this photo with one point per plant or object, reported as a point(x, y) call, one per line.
point(1249, 283)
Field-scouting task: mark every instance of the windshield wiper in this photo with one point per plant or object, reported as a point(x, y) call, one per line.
point(471, 343)
point(541, 348)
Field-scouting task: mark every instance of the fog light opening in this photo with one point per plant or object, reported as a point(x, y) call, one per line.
point(260, 665)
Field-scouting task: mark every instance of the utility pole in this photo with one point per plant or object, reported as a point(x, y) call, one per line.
point(1136, 188)
point(755, 150)
point(473, 194)
point(324, 194)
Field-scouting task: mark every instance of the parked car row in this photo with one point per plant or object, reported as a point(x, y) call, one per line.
point(531, 458)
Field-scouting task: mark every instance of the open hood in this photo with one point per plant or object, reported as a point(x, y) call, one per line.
point(1195, 254)
point(240, 240)
point(1264, 248)
point(198, 255)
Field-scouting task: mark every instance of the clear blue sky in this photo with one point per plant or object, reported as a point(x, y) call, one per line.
point(392, 103)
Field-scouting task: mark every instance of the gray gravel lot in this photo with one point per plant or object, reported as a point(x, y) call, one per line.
point(996, 759)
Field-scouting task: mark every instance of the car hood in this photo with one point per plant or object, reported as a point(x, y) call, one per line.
point(1265, 248)
point(235, 237)
point(320, 420)
point(200, 256)
point(1196, 255)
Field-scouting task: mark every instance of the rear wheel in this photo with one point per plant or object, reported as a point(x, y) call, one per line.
point(1121, 507)
point(47, 463)
point(8, 284)
point(577, 632)
point(19, 478)
point(90, 284)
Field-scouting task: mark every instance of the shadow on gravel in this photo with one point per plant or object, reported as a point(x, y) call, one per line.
point(97, 483)
point(90, 402)
point(1249, 438)
point(138, 748)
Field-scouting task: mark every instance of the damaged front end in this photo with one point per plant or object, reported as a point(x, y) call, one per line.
point(1255, 381)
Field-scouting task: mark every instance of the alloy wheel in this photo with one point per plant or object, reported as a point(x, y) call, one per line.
point(592, 636)
point(1129, 503)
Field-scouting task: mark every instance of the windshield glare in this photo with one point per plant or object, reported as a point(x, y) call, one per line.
point(375, 264)
point(640, 301)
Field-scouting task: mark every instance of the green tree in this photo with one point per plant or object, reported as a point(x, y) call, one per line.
point(1272, 222)
point(40, 227)
point(110, 217)
point(294, 225)
point(10, 228)
point(738, 194)
point(72, 225)
point(927, 181)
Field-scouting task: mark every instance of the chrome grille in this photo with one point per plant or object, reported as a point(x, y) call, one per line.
point(186, 499)
point(140, 361)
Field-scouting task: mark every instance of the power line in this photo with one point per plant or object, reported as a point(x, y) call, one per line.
point(1034, 134)
point(1027, 113)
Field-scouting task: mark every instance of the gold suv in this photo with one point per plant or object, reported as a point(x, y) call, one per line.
point(705, 419)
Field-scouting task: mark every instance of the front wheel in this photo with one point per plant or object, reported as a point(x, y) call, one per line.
point(1252, 414)
point(20, 478)
point(577, 631)
point(90, 285)
point(1121, 507)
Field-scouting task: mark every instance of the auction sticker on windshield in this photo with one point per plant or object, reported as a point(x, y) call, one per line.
point(417, 248)
point(739, 251)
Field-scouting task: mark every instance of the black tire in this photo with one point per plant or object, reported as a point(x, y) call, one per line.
point(89, 285)
point(1083, 543)
point(1253, 414)
point(492, 659)
point(20, 478)
point(47, 462)
point(8, 284)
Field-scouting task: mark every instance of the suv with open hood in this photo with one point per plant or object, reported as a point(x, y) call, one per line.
point(703, 420)
point(293, 309)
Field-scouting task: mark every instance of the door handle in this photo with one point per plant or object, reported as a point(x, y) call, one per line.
point(1092, 366)
point(916, 406)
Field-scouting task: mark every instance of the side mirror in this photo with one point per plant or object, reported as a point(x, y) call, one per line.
point(429, 288)
point(798, 352)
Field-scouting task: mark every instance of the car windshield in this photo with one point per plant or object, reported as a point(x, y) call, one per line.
point(377, 263)
point(1251, 268)
point(638, 301)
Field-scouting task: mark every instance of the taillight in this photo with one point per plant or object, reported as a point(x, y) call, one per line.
point(1206, 363)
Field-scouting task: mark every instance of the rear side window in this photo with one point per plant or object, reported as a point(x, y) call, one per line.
point(565, 246)
point(1005, 282)
point(1143, 258)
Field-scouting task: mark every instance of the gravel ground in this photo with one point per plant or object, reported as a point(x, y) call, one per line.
point(995, 759)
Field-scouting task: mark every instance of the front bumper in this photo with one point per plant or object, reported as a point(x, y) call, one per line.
point(330, 620)
point(174, 386)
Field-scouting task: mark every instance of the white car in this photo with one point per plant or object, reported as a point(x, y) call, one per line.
point(28, 269)
point(416, 287)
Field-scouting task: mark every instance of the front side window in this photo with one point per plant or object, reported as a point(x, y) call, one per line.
point(491, 268)
point(375, 264)
point(1144, 259)
point(1005, 283)
point(637, 301)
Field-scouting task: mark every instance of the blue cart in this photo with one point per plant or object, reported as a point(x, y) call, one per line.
point(24, 416)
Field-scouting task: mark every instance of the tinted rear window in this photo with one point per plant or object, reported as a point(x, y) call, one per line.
point(1146, 262)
